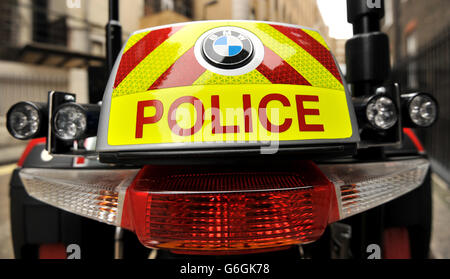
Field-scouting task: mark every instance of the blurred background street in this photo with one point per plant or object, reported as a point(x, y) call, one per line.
point(60, 45)
point(6, 249)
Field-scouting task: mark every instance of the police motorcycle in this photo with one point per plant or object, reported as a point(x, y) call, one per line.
point(228, 138)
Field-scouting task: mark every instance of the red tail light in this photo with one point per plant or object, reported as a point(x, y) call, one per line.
point(217, 210)
point(210, 210)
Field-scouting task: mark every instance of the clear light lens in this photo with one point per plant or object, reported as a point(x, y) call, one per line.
point(360, 187)
point(24, 121)
point(381, 113)
point(423, 110)
point(95, 194)
point(70, 122)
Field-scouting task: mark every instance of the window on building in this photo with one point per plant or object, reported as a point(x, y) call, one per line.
point(252, 14)
point(48, 27)
point(411, 44)
point(167, 5)
point(40, 21)
point(183, 7)
point(389, 13)
point(97, 46)
point(7, 10)
point(411, 52)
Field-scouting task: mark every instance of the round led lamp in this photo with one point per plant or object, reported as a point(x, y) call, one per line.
point(25, 120)
point(73, 121)
point(381, 112)
point(423, 110)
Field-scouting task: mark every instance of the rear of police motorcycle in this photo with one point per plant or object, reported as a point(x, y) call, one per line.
point(229, 138)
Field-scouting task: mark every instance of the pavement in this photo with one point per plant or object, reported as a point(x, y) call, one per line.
point(6, 248)
point(8, 154)
point(440, 238)
point(440, 244)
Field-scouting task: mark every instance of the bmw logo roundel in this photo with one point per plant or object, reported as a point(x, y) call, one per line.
point(229, 50)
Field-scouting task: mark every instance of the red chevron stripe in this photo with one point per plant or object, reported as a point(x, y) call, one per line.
point(313, 47)
point(276, 70)
point(142, 49)
point(184, 72)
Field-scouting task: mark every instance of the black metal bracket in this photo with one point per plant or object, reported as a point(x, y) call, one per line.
point(113, 34)
point(367, 52)
point(53, 144)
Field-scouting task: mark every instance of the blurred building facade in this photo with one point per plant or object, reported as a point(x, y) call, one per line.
point(304, 13)
point(54, 45)
point(419, 32)
point(300, 12)
point(413, 24)
point(67, 37)
point(60, 44)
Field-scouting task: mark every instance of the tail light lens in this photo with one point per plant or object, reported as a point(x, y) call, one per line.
point(218, 210)
point(214, 210)
point(95, 194)
point(363, 186)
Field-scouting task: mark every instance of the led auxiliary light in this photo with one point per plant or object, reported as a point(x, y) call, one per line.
point(381, 112)
point(74, 121)
point(423, 110)
point(25, 120)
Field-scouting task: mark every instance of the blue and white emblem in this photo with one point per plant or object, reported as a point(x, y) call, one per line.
point(228, 46)
point(229, 50)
